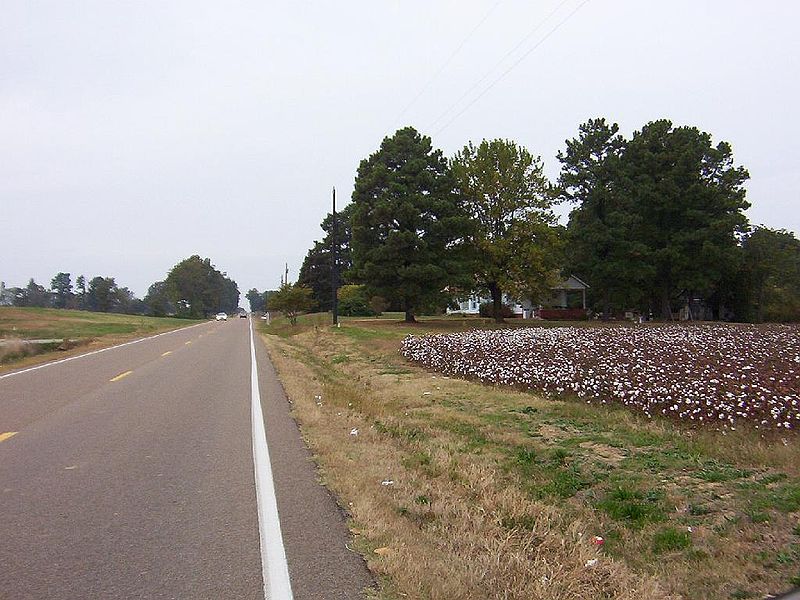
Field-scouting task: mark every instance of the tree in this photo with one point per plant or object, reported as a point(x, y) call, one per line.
point(127, 303)
point(37, 295)
point(291, 300)
point(514, 240)
point(102, 294)
point(157, 300)
point(80, 289)
point(316, 269)
point(689, 198)
point(770, 276)
point(31, 295)
point(61, 287)
point(408, 230)
point(600, 247)
point(196, 289)
point(256, 300)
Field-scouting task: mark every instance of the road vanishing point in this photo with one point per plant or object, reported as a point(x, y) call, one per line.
point(165, 468)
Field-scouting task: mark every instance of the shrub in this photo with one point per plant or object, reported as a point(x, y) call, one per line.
point(487, 310)
point(353, 302)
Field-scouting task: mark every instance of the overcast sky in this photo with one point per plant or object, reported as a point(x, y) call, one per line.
point(134, 134)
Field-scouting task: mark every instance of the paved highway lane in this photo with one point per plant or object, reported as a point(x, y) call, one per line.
point(131, 476)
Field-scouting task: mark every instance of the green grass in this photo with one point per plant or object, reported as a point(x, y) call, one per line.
point(54, 323)
point(670, 539)
point(635, 507)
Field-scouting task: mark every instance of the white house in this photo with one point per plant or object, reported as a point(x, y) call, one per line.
point(569, 293)
point(6, 297)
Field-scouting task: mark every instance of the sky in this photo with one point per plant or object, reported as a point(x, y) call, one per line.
point(136, 133)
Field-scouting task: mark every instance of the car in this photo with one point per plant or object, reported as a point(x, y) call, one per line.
point(242, 315)
point(221, 316)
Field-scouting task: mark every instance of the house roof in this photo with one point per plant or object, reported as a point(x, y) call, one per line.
point(572, 283)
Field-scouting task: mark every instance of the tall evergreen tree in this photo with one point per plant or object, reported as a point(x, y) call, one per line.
point(769, 281)
point(408, 230)
point(600, 246)
point(102, 295)
point(513, 240)
point(80, 292)
point(689, 198)
point(61, 287)
point(315, 272)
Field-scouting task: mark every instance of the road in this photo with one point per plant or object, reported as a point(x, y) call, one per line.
point(129, 473)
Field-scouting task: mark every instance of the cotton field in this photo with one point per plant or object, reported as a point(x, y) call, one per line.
point(714, 374)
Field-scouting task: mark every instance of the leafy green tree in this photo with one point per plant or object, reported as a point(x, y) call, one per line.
point(61, 288)
point(354, 301)
point(256, 300)
point(229, 294)
point(600, 247)
point(514, 240)
point(102, 294)
point(689, 198)
point(315, 271)
point(196, 289)
point(157, 300)
point(127, 303)
point(408, 230)
point(291, 300)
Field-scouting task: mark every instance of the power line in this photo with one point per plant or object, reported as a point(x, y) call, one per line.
point(499, 62)
point(513, 66)
point(448, 61)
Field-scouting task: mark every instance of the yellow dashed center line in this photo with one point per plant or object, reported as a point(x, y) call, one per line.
point(189, 342)
point(120, 376)
point(167, 353)
point(7, 434)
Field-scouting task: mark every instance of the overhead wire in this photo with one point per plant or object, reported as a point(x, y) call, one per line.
point(499, 62)
point(510, 68)
point(447, 61)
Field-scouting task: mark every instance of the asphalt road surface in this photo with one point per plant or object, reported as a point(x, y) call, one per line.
point(130, 473)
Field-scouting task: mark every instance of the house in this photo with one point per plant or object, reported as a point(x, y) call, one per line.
point(570, 293)
point(472, 305)
point(568, 301)
point(6, 296)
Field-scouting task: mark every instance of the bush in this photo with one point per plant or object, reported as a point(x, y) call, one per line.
point(487, 310)
point(353, 302)
point(291, 300)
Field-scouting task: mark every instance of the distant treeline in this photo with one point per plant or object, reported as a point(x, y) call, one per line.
point(193, 288)
point(657, 227)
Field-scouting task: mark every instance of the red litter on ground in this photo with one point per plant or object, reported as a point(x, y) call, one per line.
point(597, 540)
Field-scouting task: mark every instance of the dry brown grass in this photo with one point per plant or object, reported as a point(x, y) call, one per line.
point(496, 492)
point(13, 348)
point(84, 331)
point(452, 524)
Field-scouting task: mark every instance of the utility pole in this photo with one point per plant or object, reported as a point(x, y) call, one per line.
point(335, 264)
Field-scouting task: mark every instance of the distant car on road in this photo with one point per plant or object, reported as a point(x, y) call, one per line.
point(221, 316)
point(242, 315)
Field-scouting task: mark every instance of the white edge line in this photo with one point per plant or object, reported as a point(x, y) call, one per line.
point(63, 360)
point(274, 568)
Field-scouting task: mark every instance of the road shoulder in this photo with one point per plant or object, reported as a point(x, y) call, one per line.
point(314, 526)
